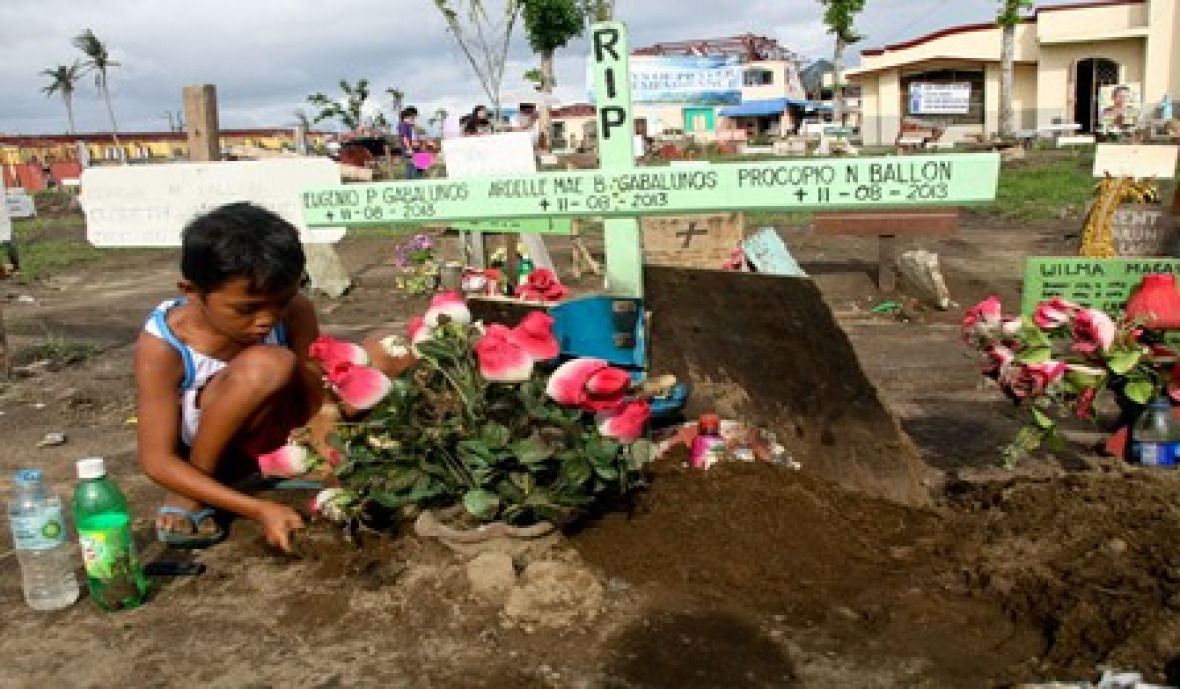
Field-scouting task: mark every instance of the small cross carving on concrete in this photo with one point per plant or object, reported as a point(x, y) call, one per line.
point(691, 232)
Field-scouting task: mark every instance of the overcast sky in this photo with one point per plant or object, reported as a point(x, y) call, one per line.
point(266, 56)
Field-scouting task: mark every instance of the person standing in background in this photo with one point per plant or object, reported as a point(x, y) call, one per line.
point(407, 136)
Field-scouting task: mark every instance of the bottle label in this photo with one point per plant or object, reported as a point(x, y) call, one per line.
point(108, 553)
point(1157, 454)
point(40, 531)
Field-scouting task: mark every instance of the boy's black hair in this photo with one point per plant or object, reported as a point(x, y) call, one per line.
point(409, 112)
point(241, 240)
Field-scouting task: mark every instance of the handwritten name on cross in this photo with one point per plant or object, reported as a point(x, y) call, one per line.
point(621, 192)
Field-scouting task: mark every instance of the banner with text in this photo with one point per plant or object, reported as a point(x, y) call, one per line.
point(940, 99)
point(681, 79)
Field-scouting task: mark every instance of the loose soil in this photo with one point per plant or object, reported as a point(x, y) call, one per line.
point(748, 575)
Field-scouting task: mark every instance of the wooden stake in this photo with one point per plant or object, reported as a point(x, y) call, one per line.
point(5, 361)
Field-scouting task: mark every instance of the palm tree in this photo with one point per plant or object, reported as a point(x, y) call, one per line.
point(398, 98)
point(1008, 18)
point(840, 17)
point(99, 61)
point(64, 77)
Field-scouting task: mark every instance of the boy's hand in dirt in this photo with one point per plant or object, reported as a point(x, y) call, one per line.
point(278, 522)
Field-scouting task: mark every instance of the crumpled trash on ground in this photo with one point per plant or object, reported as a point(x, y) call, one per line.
point(743, 442)
point(1111, 679)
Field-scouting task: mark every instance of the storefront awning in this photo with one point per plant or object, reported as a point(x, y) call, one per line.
point(759, 108)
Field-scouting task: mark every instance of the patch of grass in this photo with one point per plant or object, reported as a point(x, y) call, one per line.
point(1041, 186)
point(47, 243)
point(60, 351)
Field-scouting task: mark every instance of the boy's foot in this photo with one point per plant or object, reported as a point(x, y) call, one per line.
point(184, 523)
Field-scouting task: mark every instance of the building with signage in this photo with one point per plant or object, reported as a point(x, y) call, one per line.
point(703, 89)
point(39, 160)
point(1071, 62)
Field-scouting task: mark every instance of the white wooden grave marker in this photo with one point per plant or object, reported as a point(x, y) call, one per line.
point(149, 205)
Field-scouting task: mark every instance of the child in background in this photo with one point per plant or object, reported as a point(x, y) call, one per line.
point(222, 373)
point(408, 140)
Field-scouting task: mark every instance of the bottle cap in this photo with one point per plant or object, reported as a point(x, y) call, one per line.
point(710, 421)
point(27, 476)
point(91, 468)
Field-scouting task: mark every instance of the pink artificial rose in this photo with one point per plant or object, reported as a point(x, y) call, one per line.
point(448, 304)
point(534, 334)
point(983, 319)
point(606, 389)
point(329, 351)
point(500, 359)
point(1024, 380)
point(627, 422)
point(998, 358)
point(542, 284)
point(1054, 313)
point(358, 386)
point(289, 460)
point(567, 384)
point(419, 332)
point(1093, 330)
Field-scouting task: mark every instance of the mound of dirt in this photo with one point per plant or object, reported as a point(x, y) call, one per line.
point(1092, 561)
point(1020, 580)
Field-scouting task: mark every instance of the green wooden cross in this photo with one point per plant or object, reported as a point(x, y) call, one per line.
point(620, 192)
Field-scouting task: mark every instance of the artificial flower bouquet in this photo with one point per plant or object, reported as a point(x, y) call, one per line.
point(478, 415)
point(1056, 362)
point(417, 265)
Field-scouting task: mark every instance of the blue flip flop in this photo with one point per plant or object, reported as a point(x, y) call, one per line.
point(192, 538)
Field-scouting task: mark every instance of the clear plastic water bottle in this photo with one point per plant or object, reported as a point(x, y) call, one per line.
point(39, 535)
point(1155, 438)
point(113, 573)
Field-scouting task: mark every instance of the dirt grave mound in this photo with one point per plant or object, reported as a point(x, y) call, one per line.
point(1092, 561)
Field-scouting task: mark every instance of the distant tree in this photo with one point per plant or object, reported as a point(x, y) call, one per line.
point(350, 113)
point(98, 60)
point(484, 38)
point(840, 18)
point(550, 24)
point(397, 98)
point(64, 77)
point(1009, 16)
point(438, 118)
point(598, 10)
point(533, 76)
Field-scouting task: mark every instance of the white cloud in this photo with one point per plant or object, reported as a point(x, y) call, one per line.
point(267, 56)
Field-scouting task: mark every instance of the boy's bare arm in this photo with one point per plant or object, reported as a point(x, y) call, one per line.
point(158, 374)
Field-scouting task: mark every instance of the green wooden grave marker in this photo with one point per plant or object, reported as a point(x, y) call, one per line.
point(1097, 283)
point(620, 192)
point(533, 225)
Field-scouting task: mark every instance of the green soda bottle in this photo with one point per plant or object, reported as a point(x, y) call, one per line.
point(113, 573)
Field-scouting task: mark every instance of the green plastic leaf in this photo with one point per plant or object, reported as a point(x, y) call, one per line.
point(1139, 390)
point(494, 435)
point(475, 453)
point(481, 504)
point(1034, 355)
point(1124, 360)
point(531, 450)
point(1041, 418)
